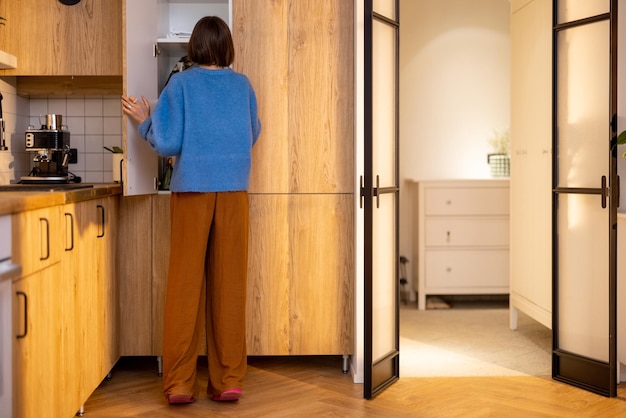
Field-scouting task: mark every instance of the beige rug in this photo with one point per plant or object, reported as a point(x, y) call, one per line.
point(466, 341)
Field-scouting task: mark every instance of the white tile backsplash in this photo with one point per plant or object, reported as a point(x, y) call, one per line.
point(93, 122)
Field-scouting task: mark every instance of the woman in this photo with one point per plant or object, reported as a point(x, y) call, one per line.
point(206, 117)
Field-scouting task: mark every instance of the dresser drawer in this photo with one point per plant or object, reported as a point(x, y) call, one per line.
point(466, 232)
point(466, 201)
point(462, 270)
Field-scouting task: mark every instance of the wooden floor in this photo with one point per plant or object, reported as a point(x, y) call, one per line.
point(316, 387)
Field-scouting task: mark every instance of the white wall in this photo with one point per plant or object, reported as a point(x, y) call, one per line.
point(93, 122)
point(454, 92)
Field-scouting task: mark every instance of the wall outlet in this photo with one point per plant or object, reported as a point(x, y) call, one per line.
point(73, 156)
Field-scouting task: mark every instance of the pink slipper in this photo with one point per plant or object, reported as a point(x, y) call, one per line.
point(228, 395)
point(175, 399)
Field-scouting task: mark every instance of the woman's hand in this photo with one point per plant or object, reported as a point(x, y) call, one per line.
point(135, 109)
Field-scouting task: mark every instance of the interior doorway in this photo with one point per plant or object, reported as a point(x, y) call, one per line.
point(461, 52)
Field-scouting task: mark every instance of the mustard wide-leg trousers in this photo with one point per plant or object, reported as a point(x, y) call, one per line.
point(206, 285)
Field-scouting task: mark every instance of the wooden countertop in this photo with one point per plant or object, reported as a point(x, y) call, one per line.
point(15, 202)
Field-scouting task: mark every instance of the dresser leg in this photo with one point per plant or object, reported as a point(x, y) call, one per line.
point(421, 301)
point(346, 366)
point(159, 366)
point(81, 411)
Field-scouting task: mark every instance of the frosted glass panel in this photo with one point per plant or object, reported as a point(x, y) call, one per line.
point(384, 106)
point(386, 8)
point(583, 106)
point(570, 10)
point(384, 277)
point(583, 276)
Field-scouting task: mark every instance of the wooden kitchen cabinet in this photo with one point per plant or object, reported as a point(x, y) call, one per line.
point(462, 229)
point(301, 265)
point(91, 263)
point(300, 279)
point(43, 297)
point(39, 352)
point(35, 243)
point(300, 275)
point(70, 305)
point(135, 270)
point(52, 39)
point(301, 256)
point(149, 56)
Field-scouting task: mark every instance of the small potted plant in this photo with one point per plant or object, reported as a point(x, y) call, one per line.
point(499, 160)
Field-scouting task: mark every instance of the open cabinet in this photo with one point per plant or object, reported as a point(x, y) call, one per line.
point(301, 258)
point(156, 33)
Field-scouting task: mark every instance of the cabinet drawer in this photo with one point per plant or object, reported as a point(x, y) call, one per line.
point(464, 269)
point(36, 242)
point(466, 232)
point(466, 201)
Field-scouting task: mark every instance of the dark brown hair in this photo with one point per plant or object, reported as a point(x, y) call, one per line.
point(211, 43)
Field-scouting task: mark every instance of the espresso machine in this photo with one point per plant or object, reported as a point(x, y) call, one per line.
point(51, 145)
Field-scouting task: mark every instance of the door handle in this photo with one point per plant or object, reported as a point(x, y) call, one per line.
point(603, 191)
point(362, 193)
point(375, 191)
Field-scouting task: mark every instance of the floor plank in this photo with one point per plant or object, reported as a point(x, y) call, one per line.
point(316, 387)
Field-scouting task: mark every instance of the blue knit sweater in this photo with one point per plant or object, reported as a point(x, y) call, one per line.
point(208, 120)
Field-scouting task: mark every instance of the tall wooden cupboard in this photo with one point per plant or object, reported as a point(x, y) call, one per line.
point(63, 50)
point(298, 56)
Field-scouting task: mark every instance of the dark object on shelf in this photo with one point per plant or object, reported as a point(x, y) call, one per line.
point(404, 293)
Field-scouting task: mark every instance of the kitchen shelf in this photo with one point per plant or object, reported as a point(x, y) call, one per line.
point(7, 61)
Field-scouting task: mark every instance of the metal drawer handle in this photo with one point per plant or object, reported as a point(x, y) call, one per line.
point(47, 251)
point(25, 314)
point(69, 215)
point(100, 235)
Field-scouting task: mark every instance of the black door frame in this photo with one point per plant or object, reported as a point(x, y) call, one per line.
point(596, 376)
point(382, 372)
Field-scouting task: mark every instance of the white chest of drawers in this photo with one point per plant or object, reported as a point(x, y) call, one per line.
point(462, 231)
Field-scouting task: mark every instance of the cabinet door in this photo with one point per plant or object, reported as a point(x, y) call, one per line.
point(135, 274)
point(140, 164)
point(160, 263)
point(39, 362)
point(72, 264)
point(307, 140)
point(49, 38)
point(300, 287)
point(96, 298)
point(106, 212)
point(35, 238)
